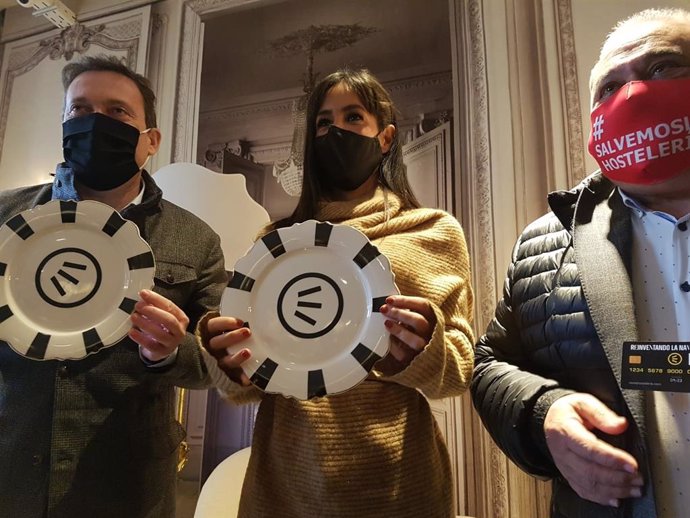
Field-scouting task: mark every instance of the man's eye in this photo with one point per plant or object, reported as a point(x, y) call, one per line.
point(661, 69)
point(608, 89)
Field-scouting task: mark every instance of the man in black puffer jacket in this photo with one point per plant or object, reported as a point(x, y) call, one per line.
point(610, 264)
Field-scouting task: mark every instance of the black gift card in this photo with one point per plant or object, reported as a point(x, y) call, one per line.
point(656, 366)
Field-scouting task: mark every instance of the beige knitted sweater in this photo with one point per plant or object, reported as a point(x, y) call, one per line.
point(375, 450)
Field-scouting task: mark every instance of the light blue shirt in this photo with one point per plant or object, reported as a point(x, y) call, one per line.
point(661, 288)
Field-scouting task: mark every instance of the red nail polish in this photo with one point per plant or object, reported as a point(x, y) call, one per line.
point(246, 354)
point(388, 323)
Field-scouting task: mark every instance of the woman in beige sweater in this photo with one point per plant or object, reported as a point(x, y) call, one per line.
point(375, 450)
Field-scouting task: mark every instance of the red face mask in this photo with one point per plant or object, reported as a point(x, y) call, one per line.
point(641, 134)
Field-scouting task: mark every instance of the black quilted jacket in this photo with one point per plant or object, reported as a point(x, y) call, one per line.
point(543, 342)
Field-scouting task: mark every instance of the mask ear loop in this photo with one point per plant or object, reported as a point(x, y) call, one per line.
point(148, 157)
point(386, 211)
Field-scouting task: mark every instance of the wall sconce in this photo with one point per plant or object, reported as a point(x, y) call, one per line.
point(57, 13)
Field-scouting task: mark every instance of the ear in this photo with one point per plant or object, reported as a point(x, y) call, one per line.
point(154, 141)
point(386, 138)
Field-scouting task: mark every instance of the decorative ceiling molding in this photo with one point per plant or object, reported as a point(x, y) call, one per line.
point(272, 107)
point(260, 152)
point(439, 79)
point(249, 111)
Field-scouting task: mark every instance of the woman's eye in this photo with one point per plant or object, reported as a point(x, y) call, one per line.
point(354, 117)
point(323, 123)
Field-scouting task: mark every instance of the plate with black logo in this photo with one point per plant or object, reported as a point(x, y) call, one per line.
point(311, 294)
point(70, 274)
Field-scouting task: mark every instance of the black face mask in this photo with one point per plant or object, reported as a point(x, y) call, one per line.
point(345, 160)
point(100, 150)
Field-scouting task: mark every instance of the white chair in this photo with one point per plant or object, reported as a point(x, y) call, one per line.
point(220, 495)
point(221, 200)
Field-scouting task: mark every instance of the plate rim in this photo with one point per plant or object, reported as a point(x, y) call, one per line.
point(302, 231)
point(85, 214)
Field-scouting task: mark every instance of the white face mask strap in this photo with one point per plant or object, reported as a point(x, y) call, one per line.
point(148, 157)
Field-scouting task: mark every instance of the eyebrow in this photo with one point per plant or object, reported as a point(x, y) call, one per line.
point(650, 56)
point(108, 102)
point(344, 108)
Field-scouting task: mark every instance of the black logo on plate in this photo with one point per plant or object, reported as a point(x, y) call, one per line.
point(68, 277)
point(303, 307)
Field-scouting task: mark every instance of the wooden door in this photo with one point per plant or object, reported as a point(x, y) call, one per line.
point(429, 161)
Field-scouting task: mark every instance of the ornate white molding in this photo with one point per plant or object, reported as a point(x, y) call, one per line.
point(268, 154)
point(272, 107)
point(483, 479)
point(187, 79)
point(443, 79)
point(479, 173)
point(260, 153)
point(127, 30)
point(568, 63)
point(76, 38)
point(158, 24)
point(188, 73)
point(248, 111)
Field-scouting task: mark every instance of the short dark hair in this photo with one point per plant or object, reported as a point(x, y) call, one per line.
point(105, 63)
point(378, 102)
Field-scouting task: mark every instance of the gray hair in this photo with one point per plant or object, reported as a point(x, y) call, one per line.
point(648, 15)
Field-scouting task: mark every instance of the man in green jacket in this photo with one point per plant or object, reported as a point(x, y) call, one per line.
point(97, 436)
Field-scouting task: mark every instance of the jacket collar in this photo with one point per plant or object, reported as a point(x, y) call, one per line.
point(63, 188)
point(151, 204)
point(602, 242)
point(563, 203)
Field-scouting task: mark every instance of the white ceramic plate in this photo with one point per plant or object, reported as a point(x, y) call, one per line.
point(70, 273)
point(311, 294)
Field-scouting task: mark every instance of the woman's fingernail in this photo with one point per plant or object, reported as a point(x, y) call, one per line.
point(636, 492)
point(390, 300)
point(246, 354)
point(388, 323)
point(384, 309)
point(613, 502)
